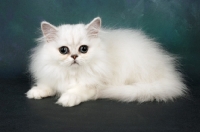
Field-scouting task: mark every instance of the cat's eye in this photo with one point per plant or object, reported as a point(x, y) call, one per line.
point(83, 48)
point(64, 50)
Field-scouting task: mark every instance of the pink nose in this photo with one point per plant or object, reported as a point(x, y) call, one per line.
point(74, 56)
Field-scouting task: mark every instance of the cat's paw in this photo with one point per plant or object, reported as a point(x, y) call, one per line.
point(69, 100)
point(39, 93)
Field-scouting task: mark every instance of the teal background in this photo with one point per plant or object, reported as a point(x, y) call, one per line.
point(174, 23)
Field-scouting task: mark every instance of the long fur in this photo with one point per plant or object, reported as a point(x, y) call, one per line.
point(121, 64)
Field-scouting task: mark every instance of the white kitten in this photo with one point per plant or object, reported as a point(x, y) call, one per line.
point(84, 62)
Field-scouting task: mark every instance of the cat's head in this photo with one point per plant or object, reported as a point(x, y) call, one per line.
point(72, 45)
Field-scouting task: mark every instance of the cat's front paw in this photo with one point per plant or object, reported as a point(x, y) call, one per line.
point(69, 100)
point(39, 93)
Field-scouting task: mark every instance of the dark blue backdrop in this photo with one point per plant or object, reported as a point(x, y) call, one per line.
point(174, 23)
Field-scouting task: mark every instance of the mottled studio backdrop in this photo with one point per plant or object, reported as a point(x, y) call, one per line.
point(174, 23)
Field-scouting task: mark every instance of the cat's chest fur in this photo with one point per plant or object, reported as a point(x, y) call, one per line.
point(62, 78)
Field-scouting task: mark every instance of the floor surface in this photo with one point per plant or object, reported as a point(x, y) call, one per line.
point(17, 113)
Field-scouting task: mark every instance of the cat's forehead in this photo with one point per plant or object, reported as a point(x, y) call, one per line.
point(72, 34)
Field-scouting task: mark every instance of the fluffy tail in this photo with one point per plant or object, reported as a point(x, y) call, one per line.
point(160, 91)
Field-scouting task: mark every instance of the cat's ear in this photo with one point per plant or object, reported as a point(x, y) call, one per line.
point(93, 27)
point(49, 31)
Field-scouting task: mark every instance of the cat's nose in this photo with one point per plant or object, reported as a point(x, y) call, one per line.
point(74, 56)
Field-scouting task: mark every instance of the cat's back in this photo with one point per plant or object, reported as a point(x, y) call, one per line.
point(132, 48)
point(129, 42)
point(127, 38)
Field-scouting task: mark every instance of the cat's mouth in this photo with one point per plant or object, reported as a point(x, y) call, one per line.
point(75, 63)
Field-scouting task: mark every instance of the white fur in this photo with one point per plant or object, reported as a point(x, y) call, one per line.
point(120, 64)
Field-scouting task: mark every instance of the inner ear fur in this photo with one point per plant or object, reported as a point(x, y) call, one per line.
point(93, 27)
point(49, 31)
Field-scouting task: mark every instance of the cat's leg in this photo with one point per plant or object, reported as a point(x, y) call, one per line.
point(40, 91)
point(75, 96)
